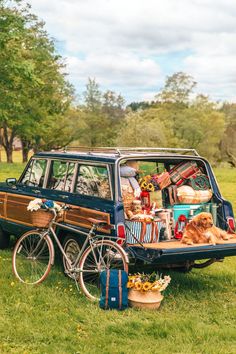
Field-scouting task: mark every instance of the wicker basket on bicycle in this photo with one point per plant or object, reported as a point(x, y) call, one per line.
point(41, 218)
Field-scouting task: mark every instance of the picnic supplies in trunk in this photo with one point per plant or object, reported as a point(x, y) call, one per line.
point(130, 173)
point(187, 195)
point(162, 180)
point(172, 194)
point(114, 289)
point(127, 193)
point(142, 231)
point(199, 182)
point(156, 197)
point(190, 210)
point(184, 170)
point(166, 217)
point(155, 182)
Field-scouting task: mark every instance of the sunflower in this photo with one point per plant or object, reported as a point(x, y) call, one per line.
point(147, 286)
point(143, 186)
point(150, 187)
point(138, 286)
point(141, 180)
point(130, 284)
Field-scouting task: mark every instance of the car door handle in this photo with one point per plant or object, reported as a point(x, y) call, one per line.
point(63, 196)
point(37, 191)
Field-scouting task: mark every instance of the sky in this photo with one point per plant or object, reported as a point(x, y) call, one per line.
point(131, 46)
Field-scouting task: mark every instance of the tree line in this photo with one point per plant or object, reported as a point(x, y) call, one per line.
point(38, 103)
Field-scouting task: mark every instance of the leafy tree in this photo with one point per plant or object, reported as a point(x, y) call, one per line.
point(136, 106)
point(32, 84)
point(113, 106)
point(143, 128)
point(177, 89)
point(100, 115)
point(93, 96)
point(228, 142)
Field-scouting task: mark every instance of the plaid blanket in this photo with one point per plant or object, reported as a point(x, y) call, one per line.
point(182, 171)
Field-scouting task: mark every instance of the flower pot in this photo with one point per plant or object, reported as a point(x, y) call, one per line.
point(146, 300)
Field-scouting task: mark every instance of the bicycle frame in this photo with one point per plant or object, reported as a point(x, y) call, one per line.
point(89, 240)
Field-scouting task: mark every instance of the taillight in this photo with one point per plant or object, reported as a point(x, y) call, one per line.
point(121, 233)
point(231, 225)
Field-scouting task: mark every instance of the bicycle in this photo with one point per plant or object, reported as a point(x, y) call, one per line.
point(34, 254)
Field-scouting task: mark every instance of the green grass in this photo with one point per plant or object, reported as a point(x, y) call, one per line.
point(198, 314)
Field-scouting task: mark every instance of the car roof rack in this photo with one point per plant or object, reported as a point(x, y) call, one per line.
point(126, 150)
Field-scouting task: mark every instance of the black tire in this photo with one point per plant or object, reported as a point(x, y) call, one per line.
point(72, 247)
point(203, 263)
point(4, 239)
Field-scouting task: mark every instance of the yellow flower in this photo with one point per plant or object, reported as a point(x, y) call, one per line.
point(147, 178)
point(147, 286)
point(130, 284)
point(150, 187)
point(143, 186)
point(138, 285)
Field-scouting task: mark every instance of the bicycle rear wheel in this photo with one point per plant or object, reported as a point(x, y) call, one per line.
point(100, 256)
point(32, 257)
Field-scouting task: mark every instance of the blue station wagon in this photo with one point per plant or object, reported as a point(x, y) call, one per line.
point(97, 183)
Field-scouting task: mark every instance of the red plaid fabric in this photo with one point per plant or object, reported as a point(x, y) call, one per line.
point(184, 170)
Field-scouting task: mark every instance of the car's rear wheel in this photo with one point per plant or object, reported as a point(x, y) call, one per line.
point(203, 263)
point(72, 248)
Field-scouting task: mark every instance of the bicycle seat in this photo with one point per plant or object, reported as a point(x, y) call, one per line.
point(101, 223)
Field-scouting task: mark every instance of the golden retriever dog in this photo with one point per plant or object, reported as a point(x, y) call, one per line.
point(202, 230)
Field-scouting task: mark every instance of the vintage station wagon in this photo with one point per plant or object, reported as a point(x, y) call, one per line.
point(90, 180)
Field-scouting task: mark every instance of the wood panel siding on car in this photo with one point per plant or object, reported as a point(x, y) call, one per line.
point(79, 216)
point(16, 208)
point(2, 204)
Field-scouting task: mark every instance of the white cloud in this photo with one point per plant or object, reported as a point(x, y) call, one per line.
point(120, 42)
point(119, 70)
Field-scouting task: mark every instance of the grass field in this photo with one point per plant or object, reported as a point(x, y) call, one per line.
point(198, 314)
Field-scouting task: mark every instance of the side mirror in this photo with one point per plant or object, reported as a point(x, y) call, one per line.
point(11, 182)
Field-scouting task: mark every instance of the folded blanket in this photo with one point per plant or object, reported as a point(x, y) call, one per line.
point(130, 173)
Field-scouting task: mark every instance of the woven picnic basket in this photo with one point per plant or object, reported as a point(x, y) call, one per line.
point(41, 218)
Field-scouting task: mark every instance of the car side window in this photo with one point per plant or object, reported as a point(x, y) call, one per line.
point(93, 181)
point(35, 173)
point(61, 175)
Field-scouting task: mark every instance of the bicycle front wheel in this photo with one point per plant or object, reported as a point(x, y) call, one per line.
point(102, 255)
point(32, 257)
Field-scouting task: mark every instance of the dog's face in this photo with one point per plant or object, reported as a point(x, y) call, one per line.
point(203, 220)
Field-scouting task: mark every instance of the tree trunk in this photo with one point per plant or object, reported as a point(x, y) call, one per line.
point(232, 158)
point(9, 152)
point(25, 150)
point(7, 142)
